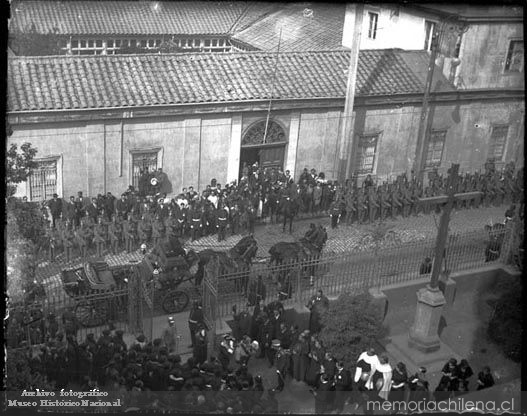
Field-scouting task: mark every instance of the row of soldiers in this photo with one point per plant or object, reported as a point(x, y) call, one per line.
point(402, 196)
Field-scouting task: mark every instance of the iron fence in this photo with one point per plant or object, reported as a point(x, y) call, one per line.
point(292, 281)
point(296, 281)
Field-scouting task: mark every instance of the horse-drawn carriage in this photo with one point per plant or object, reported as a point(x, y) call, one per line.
point(167, 267)
point(87, 284)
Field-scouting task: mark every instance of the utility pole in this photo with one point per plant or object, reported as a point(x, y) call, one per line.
point(420, 149)
point(346, 141)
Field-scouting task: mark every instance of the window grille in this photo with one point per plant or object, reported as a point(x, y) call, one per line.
point(366, 153)
point(498, 139)
point(43, 181)
point(140, 161)
point(436, 144)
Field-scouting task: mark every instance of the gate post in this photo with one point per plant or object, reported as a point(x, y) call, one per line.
point(209, 301)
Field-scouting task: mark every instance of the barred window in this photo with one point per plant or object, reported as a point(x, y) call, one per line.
point(436, 144)
point(140, 161)
point(497, 142)
point(366, 152)
point(43, 181)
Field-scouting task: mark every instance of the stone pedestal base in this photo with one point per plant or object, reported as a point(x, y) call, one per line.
point(399, 349)
point(424, 334)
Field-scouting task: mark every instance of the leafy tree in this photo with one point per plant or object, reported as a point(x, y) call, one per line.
point(21, 251)
point(19, 165)
point(506, 325)
point(351, 325)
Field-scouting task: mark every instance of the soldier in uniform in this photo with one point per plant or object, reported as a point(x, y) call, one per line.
point(158, 230)
point(115, 234)
point(196, 223)
point(334, 213)
point(282, 362)
point(406, 201)
point(395, 201)
point(350, 207)
point(144, 229)
point(384, 205)
point(99, 236)
point(182, 220)
point(415, 195)
point(361, 205)
point(80, 208)
point(67, 239)
point(373, 204)
point(129, 233)
point(222, 217)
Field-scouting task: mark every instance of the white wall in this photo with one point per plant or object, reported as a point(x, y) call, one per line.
point(395, 28)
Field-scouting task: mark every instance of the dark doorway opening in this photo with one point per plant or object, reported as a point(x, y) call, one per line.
point(266, 156)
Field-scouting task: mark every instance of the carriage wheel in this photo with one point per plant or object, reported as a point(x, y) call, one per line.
point(91, 313)
point(175, 301)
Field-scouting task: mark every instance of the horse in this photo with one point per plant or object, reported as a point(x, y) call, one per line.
point(298, 252)
point(237, 260)
point(289, 208)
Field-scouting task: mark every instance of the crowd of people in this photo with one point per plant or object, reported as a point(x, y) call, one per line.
point(221, 382)
point(146, 215)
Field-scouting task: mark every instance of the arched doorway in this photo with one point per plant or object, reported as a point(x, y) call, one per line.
point(269, 153)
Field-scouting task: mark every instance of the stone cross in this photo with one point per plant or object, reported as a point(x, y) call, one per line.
point(442, 234)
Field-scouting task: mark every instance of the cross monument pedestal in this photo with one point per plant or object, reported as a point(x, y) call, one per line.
point(422, 345)
point(423, 334)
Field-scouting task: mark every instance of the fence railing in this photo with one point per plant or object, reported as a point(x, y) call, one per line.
point(296, 281)
point(292, 281)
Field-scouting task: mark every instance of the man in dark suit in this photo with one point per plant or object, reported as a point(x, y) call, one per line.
point(55, 206)
point(342, 382)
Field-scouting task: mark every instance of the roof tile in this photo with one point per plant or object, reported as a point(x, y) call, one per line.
point(67, 82)
point(126, 17)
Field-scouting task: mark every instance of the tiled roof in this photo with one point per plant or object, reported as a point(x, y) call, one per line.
point(126, 17)
point(305, 27)
point(72, 82)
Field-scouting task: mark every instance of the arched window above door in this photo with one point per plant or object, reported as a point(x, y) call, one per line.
point(255, 134)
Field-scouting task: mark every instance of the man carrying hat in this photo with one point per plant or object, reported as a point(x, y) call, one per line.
point(283, 358)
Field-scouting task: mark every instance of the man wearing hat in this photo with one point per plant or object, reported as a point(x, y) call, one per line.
point(169, 336)
point(323, 395)
point(55, 207)
point(318, 304)
point(195, 319)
